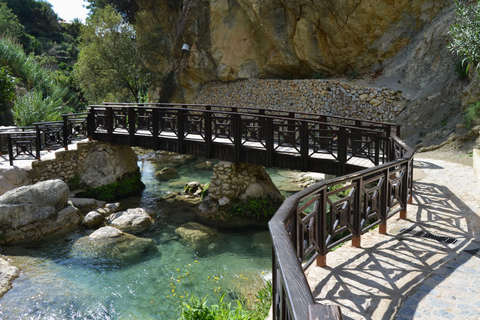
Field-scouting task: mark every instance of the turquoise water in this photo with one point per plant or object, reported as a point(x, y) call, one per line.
point(53, 285)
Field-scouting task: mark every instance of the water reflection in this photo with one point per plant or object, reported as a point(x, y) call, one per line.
point(55, 285)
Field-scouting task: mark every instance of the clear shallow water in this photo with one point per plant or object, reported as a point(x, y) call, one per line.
point(53, 285)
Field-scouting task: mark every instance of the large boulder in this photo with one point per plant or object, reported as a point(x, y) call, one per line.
point(108, 163)
point(112, 245)
point(34, 212)
point(12, 177)
point(52, 193)
point(132, 220)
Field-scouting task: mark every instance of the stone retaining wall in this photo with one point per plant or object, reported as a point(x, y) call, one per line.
point(240, 180)
point(65, 165)
point(328, 97)
point(92, 163)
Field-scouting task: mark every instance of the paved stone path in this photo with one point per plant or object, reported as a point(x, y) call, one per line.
point(403, 276)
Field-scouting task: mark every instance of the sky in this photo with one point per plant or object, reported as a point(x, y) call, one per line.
point(70, 9)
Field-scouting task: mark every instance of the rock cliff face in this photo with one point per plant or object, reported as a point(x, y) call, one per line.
point(239, 39)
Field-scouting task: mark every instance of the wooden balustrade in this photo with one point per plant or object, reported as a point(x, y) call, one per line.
point(374, 171)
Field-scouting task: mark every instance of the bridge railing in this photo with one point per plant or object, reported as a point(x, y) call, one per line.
point(296, 133)
point(313, 221)
point(354, 122)
point(29, 142)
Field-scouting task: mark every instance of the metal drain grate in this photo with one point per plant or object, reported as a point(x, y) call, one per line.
point(428, 235)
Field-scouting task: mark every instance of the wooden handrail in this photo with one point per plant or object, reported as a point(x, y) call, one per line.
point(288, 266)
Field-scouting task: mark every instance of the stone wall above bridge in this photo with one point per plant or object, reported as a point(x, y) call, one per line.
point(329, 97)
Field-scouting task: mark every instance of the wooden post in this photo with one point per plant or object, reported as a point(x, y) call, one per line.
point(109, 123)
point(181, 129)
point(10, 149)
point(66, 132)
point(356, 242)
point(155, 128)
point(237, 136)
point(131, 125)
point(269, 142)
point(342, 151)
point(208, 132)
point(304, 146)
point(382, 228)
point(38, 145)
point(322, 260)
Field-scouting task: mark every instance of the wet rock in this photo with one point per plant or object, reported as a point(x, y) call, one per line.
point(8, 273)
point(86, 205)
point(132, 220)
point(207, 165)
point(196, 234)
point(92, 220)
point(111, 244)
point(167, 174)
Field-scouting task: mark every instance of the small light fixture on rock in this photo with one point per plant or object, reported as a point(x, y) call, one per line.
point(185, 47)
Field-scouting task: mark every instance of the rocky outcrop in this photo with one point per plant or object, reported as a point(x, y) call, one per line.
point(34, 212)
point(241, 39)
point(131, 221)
point(112, 245)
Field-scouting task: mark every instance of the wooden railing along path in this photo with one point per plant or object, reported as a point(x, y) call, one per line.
point(374, 171)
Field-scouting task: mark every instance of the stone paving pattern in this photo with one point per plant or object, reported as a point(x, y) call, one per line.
point(400, 276)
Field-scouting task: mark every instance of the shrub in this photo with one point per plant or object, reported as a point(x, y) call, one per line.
point(128, 187)
point(198, 309)
point(255, 207)
point(464, 32)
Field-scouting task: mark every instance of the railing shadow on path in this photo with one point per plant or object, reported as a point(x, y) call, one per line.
point(420, 269)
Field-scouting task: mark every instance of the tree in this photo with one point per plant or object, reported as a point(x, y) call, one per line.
point(9, 24)
point(127, 8)
point(110, 66)
point(465, 34)
point(7, 94)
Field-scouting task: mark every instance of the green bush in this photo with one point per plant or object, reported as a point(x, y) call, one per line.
point(128, 187)
point(45, 99)
point(255, 207)
point(34, 107)
point(198, 309)
point(472, 114)
point(464, 32)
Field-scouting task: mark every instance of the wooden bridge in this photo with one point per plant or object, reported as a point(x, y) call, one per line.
point(374, 171)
